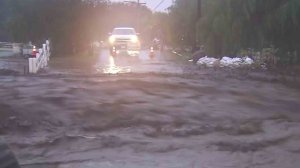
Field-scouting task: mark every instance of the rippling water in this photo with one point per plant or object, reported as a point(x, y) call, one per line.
point(99, 112)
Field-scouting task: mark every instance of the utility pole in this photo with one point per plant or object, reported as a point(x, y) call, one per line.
point(198, 16)
point(199, 9)
point(139, 14)
point(139, 4)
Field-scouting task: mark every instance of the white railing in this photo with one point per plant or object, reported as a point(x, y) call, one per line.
point(41, 59)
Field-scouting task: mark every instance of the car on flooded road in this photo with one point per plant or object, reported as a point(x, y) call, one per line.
point(124, 40)
point(29, 50)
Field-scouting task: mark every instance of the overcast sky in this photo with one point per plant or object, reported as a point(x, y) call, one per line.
point(153, 3)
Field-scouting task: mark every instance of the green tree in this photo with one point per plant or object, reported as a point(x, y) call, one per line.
point(227, 26)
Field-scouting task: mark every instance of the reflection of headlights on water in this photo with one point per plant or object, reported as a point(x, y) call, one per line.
point(112, 68)
point(151, 49)
point(112, 39)
point(134, 39)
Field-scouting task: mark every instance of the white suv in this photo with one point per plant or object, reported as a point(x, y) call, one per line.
point(124, 40)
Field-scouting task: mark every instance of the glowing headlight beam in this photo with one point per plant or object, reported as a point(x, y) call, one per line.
point(112, 39)
point(134, 39)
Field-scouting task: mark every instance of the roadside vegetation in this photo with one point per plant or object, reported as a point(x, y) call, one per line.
point(268, 30)
point(72, 25)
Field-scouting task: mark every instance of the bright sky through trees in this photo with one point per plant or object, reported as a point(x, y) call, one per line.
point(153, 3)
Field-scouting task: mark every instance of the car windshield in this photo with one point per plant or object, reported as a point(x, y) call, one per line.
point(123, 32)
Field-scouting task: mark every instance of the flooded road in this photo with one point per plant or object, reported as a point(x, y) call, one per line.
point(104, 63)
point(101, 112)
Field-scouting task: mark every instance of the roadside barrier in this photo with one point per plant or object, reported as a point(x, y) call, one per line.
point(41, 59)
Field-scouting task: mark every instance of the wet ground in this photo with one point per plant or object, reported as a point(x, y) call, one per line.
point(11, 62)
point(100, 112)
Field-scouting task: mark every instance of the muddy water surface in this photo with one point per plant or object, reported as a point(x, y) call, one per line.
point(102, 112)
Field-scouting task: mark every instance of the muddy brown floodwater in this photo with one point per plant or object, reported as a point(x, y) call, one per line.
point(101, 113)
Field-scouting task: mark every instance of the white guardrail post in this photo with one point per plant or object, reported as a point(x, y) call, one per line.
point(32, 65)
point(41, 59)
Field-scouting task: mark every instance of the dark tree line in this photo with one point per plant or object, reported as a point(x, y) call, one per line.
point(225, 28)
point(228, 26)
point(71, 24)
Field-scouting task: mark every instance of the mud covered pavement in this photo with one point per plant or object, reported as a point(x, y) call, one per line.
point(151, 113)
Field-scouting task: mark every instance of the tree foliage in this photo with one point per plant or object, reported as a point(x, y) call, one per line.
point(227, 26)
point(71, 24)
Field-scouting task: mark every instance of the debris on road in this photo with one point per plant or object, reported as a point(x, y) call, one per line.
point(225, 62)
point(235, 62)
point(208, 61)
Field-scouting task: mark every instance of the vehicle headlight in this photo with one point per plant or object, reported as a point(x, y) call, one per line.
point(111, 39)
point(134, 39)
